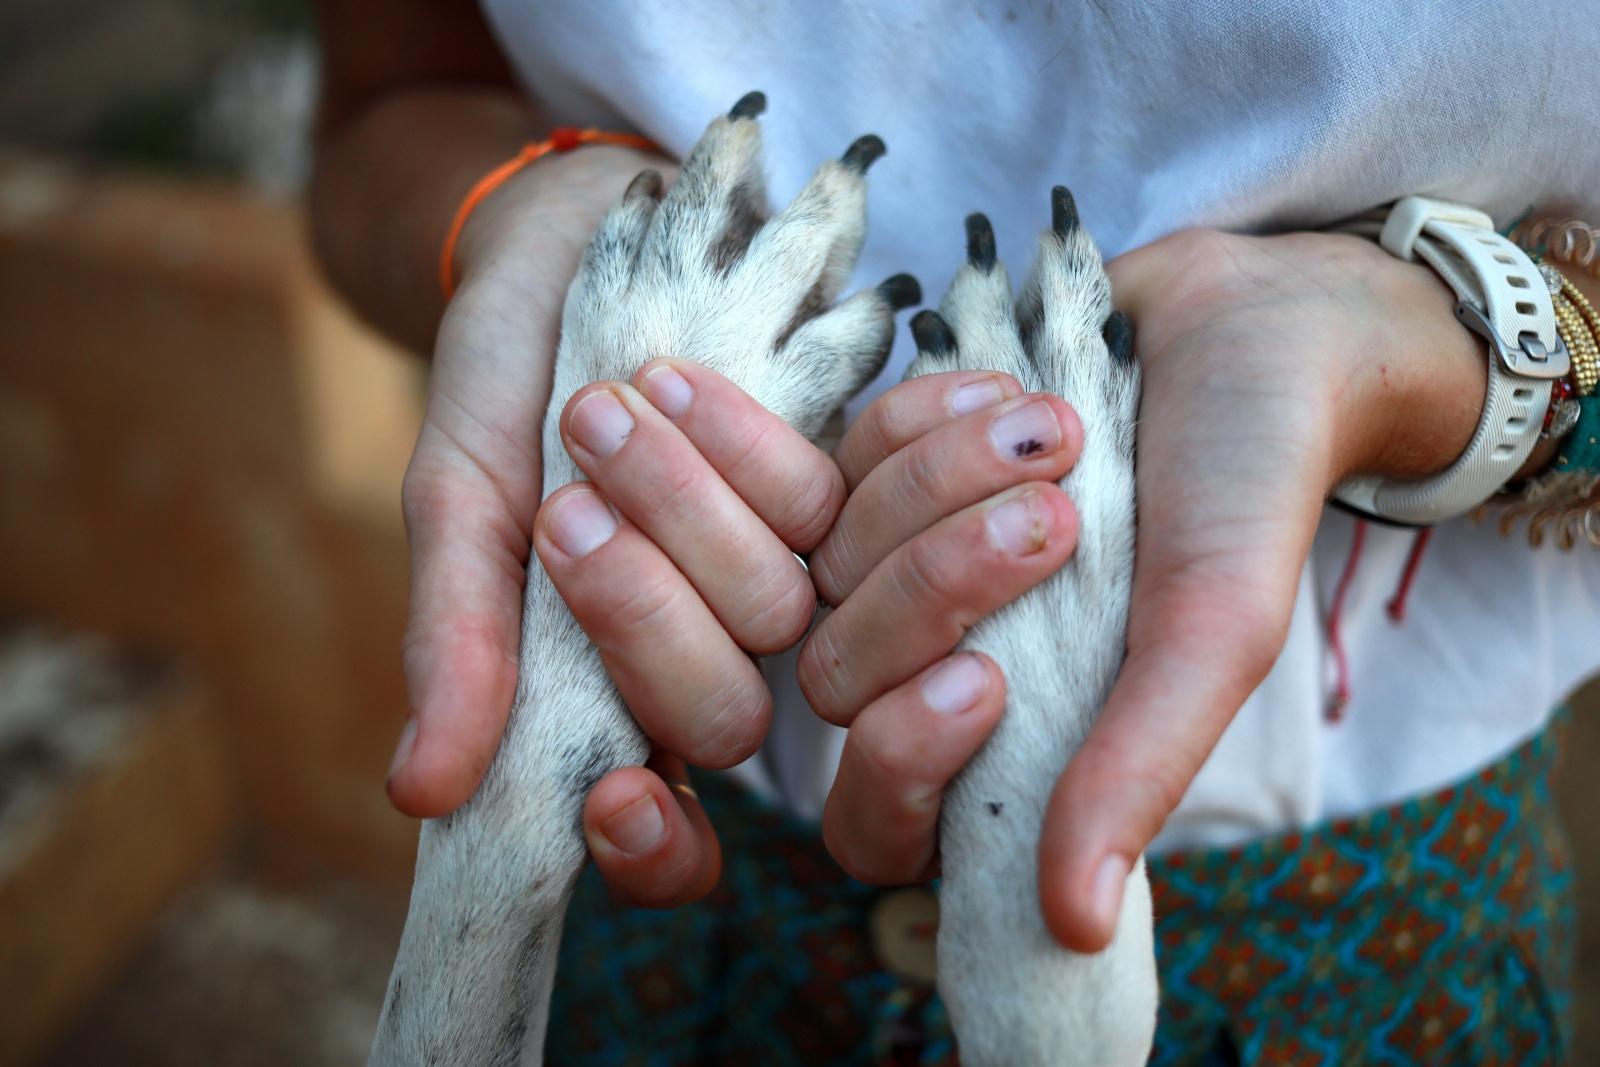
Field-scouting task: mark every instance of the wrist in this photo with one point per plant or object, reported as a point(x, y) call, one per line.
point(1419, 390)
point(539, 221)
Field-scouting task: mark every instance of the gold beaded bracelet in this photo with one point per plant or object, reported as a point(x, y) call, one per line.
point(1579, 327)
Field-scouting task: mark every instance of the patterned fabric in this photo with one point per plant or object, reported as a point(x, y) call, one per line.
point(1435, 932)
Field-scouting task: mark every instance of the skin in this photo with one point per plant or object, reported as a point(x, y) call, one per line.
point(1271, 371)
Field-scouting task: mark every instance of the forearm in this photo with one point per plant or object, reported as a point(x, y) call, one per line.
point(387, 184)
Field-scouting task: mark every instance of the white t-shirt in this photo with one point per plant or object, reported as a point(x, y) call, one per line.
point(1163, 114)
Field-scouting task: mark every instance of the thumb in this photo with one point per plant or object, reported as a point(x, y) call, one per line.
point(1199, 644)
point(468, 556)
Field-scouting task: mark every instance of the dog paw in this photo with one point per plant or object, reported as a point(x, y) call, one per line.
point(1016, 998)
point(705, 273)
point(1059, 336)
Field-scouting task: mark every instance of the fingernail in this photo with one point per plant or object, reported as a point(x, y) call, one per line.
point(637, 828)
point(580, 522)
point(1019, 525)
point(1110, 879)
point(1031, 430)
point(600, 423)
point(668, 390)
point(956, 685)
point(976, 397)
point(402, 750)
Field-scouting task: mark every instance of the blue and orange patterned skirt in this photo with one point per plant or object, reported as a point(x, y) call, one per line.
point(1435, 932)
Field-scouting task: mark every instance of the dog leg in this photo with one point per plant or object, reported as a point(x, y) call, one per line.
point(1016, 997)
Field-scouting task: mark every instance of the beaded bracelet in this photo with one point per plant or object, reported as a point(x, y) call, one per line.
point(1564, 500)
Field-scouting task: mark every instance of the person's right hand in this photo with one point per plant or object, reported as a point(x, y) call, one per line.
point(947, 520)
point(676, 615)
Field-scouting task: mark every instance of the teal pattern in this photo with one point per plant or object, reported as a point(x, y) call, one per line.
point(1434, 932)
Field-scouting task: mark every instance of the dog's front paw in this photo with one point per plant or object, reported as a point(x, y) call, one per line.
point(1017, 998)
point(704, 274)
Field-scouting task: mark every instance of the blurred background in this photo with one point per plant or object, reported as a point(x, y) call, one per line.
point(202, 566)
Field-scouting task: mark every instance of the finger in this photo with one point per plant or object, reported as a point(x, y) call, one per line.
point(650, 837)
point(468, 556)
point(692, 690)
point(786, 480)
point(918, 603)
point(1035, 437)
point(910, 410)
point(881, 820)
point(657, 478)
point(1199, 648)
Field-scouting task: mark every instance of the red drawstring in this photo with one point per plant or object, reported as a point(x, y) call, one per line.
point(1341, 691)
point(1397, 603)
point(1396, 609)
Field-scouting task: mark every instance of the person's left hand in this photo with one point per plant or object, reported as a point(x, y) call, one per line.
point(1273, 368)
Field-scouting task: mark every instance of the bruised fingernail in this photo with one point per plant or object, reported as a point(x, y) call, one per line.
point(402, 750)
point(1020, 525)
point(955, 685)
point(637, 828)
point(1105, 893)
point(976, 396)
point(580, 522)
point(1031, 430)
point(600, 423)
point(668, 390)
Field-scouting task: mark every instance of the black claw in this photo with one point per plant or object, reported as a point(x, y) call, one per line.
point(900, 291)
point(645, 183)
point(1063, 211)
point(932, 333)
point(980, 242)
point(1118, 333)
point(864, 153)
point(749, 106)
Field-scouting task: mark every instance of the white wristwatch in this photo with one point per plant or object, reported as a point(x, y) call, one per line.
point(1501, 297)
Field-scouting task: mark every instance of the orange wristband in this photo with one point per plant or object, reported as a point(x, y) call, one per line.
point(561, 139)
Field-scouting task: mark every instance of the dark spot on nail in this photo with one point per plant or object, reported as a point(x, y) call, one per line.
point(980, 242)
point(932, 333)
point(863, 153)
point(645, 183)
point(900, 291)
point(1063, 211)
point(995, 808)
point(1118, 334)
point(749, 106)
point(1030, 447)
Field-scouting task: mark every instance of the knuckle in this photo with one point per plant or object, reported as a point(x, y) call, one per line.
point(809, 510)
point(926, 572)
point(649, 605)
point(780, 619)
point(732, 721)
point(820, 672)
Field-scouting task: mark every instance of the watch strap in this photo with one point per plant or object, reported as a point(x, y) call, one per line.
point(1501, 297)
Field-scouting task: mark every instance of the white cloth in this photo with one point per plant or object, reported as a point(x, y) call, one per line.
point(1163, 114)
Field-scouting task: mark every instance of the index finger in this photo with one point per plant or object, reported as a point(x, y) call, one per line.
point(911, 409)
point(786, 480)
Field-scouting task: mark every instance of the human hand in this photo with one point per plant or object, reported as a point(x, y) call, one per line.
point(677, 559)
point(473, 484)
point(1273, 368)
point(953, 512)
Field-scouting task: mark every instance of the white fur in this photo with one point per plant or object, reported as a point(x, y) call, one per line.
point(1016, 997)
point(477, 958)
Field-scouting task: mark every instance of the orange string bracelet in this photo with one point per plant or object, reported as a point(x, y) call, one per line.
point(561, 139)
